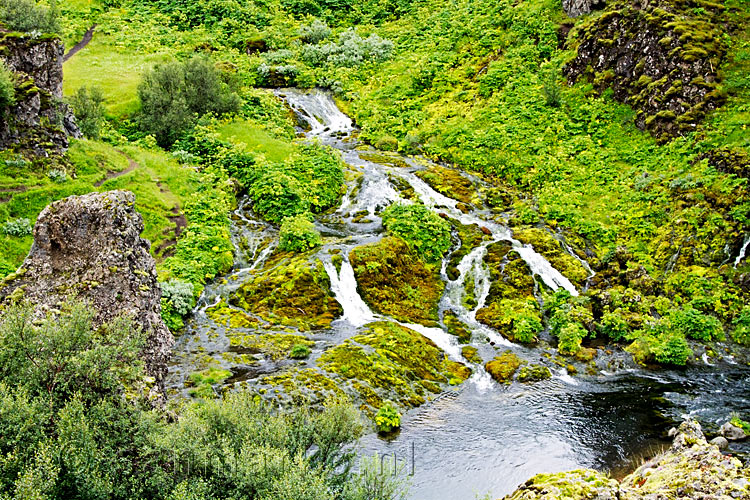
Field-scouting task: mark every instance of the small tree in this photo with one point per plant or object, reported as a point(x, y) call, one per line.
point(7, 90)
point(27, 15)
point(89, 110)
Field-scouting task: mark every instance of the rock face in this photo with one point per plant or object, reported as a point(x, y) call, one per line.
point(732, 432)
point(90, 246)
point(39, 121)
point(575, 8)
point(658, 56)
point(691, 469)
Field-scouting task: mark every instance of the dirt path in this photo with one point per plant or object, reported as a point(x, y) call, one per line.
point(132, 165)
point(7, 193)
point(84, 41)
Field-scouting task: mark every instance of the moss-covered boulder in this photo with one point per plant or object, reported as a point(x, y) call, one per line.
point(503, 367)
point(225, 315)
point(394, 281)
point(534, 373)
point(391, 362)
point(510, 308)
point(584, 484)
point(450, 183)
point(552, 250)
point(272, 345)
point(471, 354)
point(456, 327)
point(470, 237)
point(290, 291)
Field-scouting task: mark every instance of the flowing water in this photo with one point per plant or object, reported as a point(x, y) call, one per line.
point(480, 438)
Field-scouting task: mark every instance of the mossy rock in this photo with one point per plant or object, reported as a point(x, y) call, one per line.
point(552, 250)
point(394, 281)
point(456, 327)
point(450, 183)
point(534, 373)
point(229, 317)
point(273, 345)
point(503, 367)
point(471, 354)
point(201, 383)
point(291, 291)
point(469, 237)
point(306, 385)
point(392, 362)
point(582, 484)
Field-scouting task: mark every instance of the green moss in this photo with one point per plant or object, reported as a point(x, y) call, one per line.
point(533, 373)
point(394, 281)
point(545, 244)
point(291, 291)
point(229, 317)
point(202, 382)
point(450, 183)
point(456, 327)
point(582, 484)
point(470, 237)
point(503, 367)
point(391, 362)
point(273, 345)
point(471, 354)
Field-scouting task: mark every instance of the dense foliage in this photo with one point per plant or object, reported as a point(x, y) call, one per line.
point(298, 234)
point(7, 90)
point(425, 232)
point(89, 110)
point(28, 15)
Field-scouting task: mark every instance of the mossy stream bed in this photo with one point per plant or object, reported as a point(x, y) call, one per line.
point(363, 316)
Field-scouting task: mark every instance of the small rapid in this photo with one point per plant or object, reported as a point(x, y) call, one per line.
point(344, 287)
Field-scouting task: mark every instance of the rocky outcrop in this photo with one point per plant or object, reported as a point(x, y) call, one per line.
point(691, 469)
point(659, 56)
point(575, 8)
point(39, 121)
point(90, 247)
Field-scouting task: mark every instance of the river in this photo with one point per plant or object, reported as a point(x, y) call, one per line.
point(480, 438)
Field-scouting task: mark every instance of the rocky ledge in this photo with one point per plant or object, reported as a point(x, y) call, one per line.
point(90, 247)
point(691, 469)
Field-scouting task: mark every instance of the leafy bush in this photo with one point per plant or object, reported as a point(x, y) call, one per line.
point(27, 15)
point(660, 342)
point(741, 324)
point(694, 324)
point(613, 326)
point(17, 227)
point(423, 230)
point(351, 50)
point(569, 338)
point(174, 95)
point(89, 110)
point(180, 294)
point(7, 90)
point(387, 418)
point(299, 351)
point(298, 234)
point(57, 175)
point(315, 32)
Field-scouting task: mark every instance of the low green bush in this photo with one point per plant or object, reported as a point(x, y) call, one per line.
point(17, 227)
point(387, 418)
point(88, 108)
point(423, 230)
point(298, 234)
point(693, 324)
point(28, 15)
point(741, 324)
point(299, 351)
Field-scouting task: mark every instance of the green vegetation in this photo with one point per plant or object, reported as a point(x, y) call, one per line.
point(387, 418)
point(298, 234)
point(28, 15)
point(533, 373)
point(89, 110)
point(201, 383)
point(503, 367)
point(738, 422)
point(424, 231)
point(394, 280)
point(7, 88)
point(299, 351)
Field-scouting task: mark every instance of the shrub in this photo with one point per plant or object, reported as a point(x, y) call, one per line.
point(298, 234)
point(660, 342)
point(299, 351)
point(741, 324)
point(694, 324)
point(174, 94)
point(179, 294)
point(57, 175)
point(613, 326)
point(89, 110)
point(570, 337)
point(315, 32)
point(387, 418)
point(17, 227)
point(7, 89)
point(27, 15)
point(551, 90)
point(423, 230)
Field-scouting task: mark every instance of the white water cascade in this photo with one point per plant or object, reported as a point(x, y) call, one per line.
point(344, 287)
point(743, 251)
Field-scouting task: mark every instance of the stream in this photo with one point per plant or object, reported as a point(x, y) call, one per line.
point(479, 438)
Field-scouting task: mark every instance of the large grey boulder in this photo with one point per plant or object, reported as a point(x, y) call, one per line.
point(90, 246)
point(732, 432)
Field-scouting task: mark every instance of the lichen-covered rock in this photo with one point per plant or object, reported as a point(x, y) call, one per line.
point(39, 121)
point(732, 432)
point(575, 8)
point(660, 56)
point(90, 246)
point(692, 469)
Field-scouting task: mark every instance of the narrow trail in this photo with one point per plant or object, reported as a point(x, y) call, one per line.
point(132, 165)
point(84, 41)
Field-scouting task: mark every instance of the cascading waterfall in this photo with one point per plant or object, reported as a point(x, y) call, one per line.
point(743, 250)
point(344, 287)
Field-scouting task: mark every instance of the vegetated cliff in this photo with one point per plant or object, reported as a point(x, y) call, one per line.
point(660, 56)
point(90, 246)
point(39, 121)
point(691, 469)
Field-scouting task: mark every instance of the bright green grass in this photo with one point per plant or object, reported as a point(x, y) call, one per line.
point(116, 72)
point(256, 139)
point(161, 186)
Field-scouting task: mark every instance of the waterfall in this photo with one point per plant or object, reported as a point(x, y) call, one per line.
point(319, 111)
point(743, 250)
point(344, 287)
